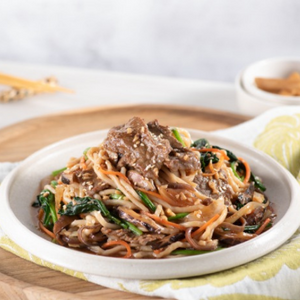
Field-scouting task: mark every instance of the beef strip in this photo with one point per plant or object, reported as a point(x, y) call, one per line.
point(87, 178)
point(214, 188)
point(163, 132)
point(255, 217)
point(147, 147)
point(166, 241)
point(128, 236)
point(139, 181)
point(183, 160)
point(247, 195)
point(137, 149)
point(180, 158)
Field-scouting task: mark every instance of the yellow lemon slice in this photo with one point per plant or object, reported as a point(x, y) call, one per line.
point(281, 140)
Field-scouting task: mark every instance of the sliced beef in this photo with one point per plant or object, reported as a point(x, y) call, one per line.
point(87, 178)
point(128, 236)
point(156, 241)
point(136, 148)
point(232, 239)
point(214, 188)
point(167, 240)
point(247, 195)
point(255, 217)
point(180, 158)
point(164, 132)
point(145, 148)
point(139, 181)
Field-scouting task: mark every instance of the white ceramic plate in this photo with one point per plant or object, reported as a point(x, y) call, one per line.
point(17, 219)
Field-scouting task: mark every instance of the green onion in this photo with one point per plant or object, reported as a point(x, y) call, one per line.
point(85, 152)
point(178, 216)
point(251, 228)
point(258, 184)
point(103, 208)
point(147, 201)
point(233, 165)
point(54, 183)
point(225, 229)
point(116, 196)
point(178, 136)
point(133, 228)
point(192, 251)
point(239, 205)
point(56, 172)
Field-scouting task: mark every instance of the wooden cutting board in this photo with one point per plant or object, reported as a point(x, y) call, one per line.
point(20, 279)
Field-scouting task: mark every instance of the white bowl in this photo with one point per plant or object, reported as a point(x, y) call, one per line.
point(271, 68)
point(18, 219)
point(248, 104)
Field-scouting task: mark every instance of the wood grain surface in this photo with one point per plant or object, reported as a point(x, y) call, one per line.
point(20, 279)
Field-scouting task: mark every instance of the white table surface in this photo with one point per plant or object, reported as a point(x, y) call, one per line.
point(97, 88)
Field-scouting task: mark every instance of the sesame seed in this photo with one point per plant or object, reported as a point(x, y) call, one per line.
point(129, 130)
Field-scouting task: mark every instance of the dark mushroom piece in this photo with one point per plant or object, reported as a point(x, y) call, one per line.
point(67, 178)
point(62, 223)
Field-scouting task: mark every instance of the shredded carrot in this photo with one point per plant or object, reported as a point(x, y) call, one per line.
point(119, 242)
point(222, 152)
point(213, 171)
point(48, 232)
point(42, 227)
point(157, 251)
point(157, 195)
point(165, 222)
point(108, 172)
point(209, 174)
point(263, 226)
point(247, 168)
point(203, 227)
point(82, 163)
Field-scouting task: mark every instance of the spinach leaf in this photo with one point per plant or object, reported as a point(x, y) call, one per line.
point(46, 201)
point(232, 156)
point(200, 144)
point(257, 183)
point(87, 204)
point(206, 157)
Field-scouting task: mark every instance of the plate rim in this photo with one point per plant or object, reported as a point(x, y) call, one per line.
point(134, 263)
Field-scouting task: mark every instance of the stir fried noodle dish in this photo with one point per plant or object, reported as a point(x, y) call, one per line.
point(149, 191)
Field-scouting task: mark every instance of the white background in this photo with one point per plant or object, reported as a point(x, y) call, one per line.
point(200, 39)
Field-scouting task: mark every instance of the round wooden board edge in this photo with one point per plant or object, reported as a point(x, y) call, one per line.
point(29, 291)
